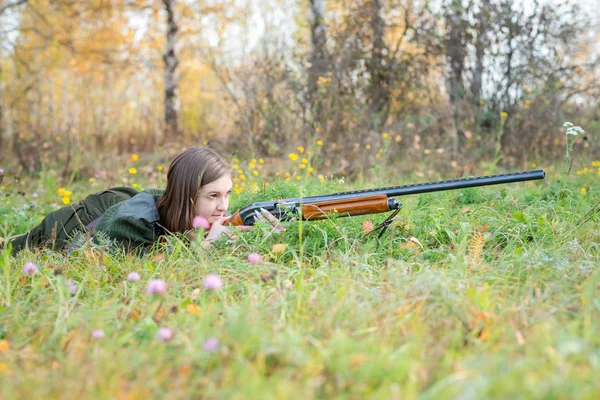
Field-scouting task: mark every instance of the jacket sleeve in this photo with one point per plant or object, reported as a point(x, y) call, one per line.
point(127, 230)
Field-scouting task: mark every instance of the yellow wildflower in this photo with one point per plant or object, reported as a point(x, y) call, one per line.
point(261, 161)
point(504, 114)
point(134, 157)
point(135, 185)
point(66, 200)
point(298, 177)
point(132, 171)
point(159, 168)
point(583, 191)
point(368, 147)
point(386, 135)
point(255, 173)
point(319, 143)
point(61, 192)
point(4, 345)
point(300, 149)
point(304, 161)
point(293, 156)
point(92, 180)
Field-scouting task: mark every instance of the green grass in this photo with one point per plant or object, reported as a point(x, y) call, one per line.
point(501, 301)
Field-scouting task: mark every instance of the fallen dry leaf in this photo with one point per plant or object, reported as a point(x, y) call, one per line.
point(520, 338)
point(135, 315)
point(415, 240)
point(356, 360)
point(194, 309)
point(483, 228)
point(279, 248)
point(367, 226)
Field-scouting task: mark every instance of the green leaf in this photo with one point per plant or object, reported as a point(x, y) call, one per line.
point(519, 217)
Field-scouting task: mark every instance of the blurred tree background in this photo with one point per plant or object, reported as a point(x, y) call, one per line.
point(450, 82)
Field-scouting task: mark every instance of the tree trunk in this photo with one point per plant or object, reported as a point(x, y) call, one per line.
point(317, 58)
point(455, 49)
point(170, 58)
point(2, 117)
point(456, 53)
point(379, 97)
point(481, 45)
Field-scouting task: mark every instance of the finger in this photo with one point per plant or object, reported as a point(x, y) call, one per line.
point(223, 220)
point(269, 216)
point(259, 217)
point(279, 229)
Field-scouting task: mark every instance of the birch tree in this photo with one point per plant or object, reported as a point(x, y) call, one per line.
point(317, 59)
point(170, 58)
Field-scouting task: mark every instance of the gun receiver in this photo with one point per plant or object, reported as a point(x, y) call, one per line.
point(368, 201)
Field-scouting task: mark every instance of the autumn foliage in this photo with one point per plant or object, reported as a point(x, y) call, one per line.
point(456, 81)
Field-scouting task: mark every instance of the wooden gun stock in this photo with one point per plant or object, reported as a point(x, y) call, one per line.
point(235, 219)
point(346, 207)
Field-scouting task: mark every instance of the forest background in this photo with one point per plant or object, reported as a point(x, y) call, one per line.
point(447, 82)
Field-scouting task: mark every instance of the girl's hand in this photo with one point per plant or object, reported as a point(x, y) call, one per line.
point(218, 228)
point(270, 219)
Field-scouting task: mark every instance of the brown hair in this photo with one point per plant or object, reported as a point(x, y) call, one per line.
point(190, 170)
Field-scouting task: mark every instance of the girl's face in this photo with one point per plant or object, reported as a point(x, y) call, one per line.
point(213, 198)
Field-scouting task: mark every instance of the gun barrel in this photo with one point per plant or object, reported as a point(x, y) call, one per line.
point(418, 188)
point(357, 205)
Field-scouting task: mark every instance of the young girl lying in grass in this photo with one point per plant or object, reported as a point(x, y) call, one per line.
point(199, 183)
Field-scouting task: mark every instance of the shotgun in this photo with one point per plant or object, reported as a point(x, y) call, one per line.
point(368, 201)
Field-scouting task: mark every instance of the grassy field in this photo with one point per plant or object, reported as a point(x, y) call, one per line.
point(477, 293)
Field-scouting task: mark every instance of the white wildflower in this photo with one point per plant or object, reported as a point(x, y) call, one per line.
point(575, 130)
